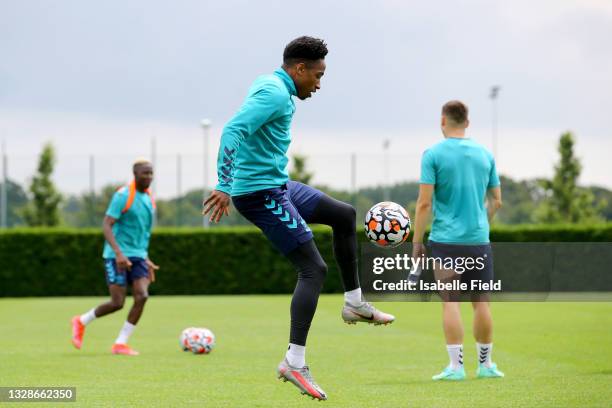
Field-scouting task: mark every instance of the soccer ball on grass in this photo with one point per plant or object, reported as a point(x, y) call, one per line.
point(197, 340)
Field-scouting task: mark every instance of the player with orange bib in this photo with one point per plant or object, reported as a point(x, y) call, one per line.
point(127, 230)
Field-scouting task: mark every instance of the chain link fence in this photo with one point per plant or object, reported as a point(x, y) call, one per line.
point(87, 181)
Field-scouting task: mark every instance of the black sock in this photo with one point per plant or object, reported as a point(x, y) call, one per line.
point(311, 271)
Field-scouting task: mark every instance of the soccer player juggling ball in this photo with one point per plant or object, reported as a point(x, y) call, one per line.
point(459, 176)
point(252, 171)
point(127, 229)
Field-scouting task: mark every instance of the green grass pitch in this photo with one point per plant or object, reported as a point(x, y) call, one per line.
point(553, 354)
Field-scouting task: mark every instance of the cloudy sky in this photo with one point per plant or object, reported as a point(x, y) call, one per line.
point(105, 78)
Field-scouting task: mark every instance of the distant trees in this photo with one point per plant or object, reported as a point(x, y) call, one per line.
point(558, 200)
point(564, 201)
point(43, 208)
point(16, 200)
point(87, 210)
point(299, 173)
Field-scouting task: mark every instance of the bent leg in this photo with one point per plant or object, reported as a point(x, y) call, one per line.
point(341, 217)
point(115, 303)
point(140, 293)
point(311, 271)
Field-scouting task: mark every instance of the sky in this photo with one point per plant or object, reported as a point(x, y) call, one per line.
point(104, 79)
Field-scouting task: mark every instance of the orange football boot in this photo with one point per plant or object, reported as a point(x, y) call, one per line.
point(78, 330)
point(124, 349)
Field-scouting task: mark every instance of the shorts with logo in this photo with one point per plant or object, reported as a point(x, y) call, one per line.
point(138, 270)
point(281, 213)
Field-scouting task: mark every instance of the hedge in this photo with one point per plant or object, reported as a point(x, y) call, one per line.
point(237, 260)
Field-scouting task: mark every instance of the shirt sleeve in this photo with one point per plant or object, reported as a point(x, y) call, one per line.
point(117, 204)
point(259, 107)
point(493, 177)
point(428, 169)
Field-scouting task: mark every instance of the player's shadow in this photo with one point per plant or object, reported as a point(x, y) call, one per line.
point(89, 354)
point(605, 371)
point(398, 381)
point(422, 381)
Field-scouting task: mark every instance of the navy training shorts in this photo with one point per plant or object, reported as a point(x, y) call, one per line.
point(114, 277)
point(281, 213)
point(480, 269)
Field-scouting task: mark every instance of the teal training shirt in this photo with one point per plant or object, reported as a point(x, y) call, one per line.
point(461, 171)
point(253, 151)
point(133, 228)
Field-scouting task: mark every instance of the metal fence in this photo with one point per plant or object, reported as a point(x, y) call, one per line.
point(177, 174)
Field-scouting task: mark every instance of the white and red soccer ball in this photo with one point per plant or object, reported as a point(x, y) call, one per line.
point(197, 340)
point(387, 224)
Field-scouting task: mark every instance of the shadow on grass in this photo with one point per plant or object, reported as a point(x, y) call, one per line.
point(399, 381)
point(90, 354)
point(428, 381)
point(607, 371)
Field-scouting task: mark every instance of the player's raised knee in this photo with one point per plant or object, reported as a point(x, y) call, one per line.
point(351, 212)
point(322, 269)
point(348, 215)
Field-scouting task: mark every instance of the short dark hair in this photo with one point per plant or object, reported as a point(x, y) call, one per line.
point(304, 49)
point(456, 112)
point(140, 162)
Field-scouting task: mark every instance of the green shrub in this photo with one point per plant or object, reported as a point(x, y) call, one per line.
point(68, 262)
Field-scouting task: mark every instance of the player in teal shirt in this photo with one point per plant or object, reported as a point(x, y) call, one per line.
point(132, 229)
point(253, 152)
point(459, 176)
point(127, 229)
point(252, 170)
point(461, 172)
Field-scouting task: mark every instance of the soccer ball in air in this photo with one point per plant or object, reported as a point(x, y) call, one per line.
point(197, 340)
point(387, 224)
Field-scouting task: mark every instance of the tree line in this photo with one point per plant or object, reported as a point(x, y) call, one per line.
point(544, 201)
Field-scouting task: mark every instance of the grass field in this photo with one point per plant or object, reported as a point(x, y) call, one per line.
point(553, 354)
